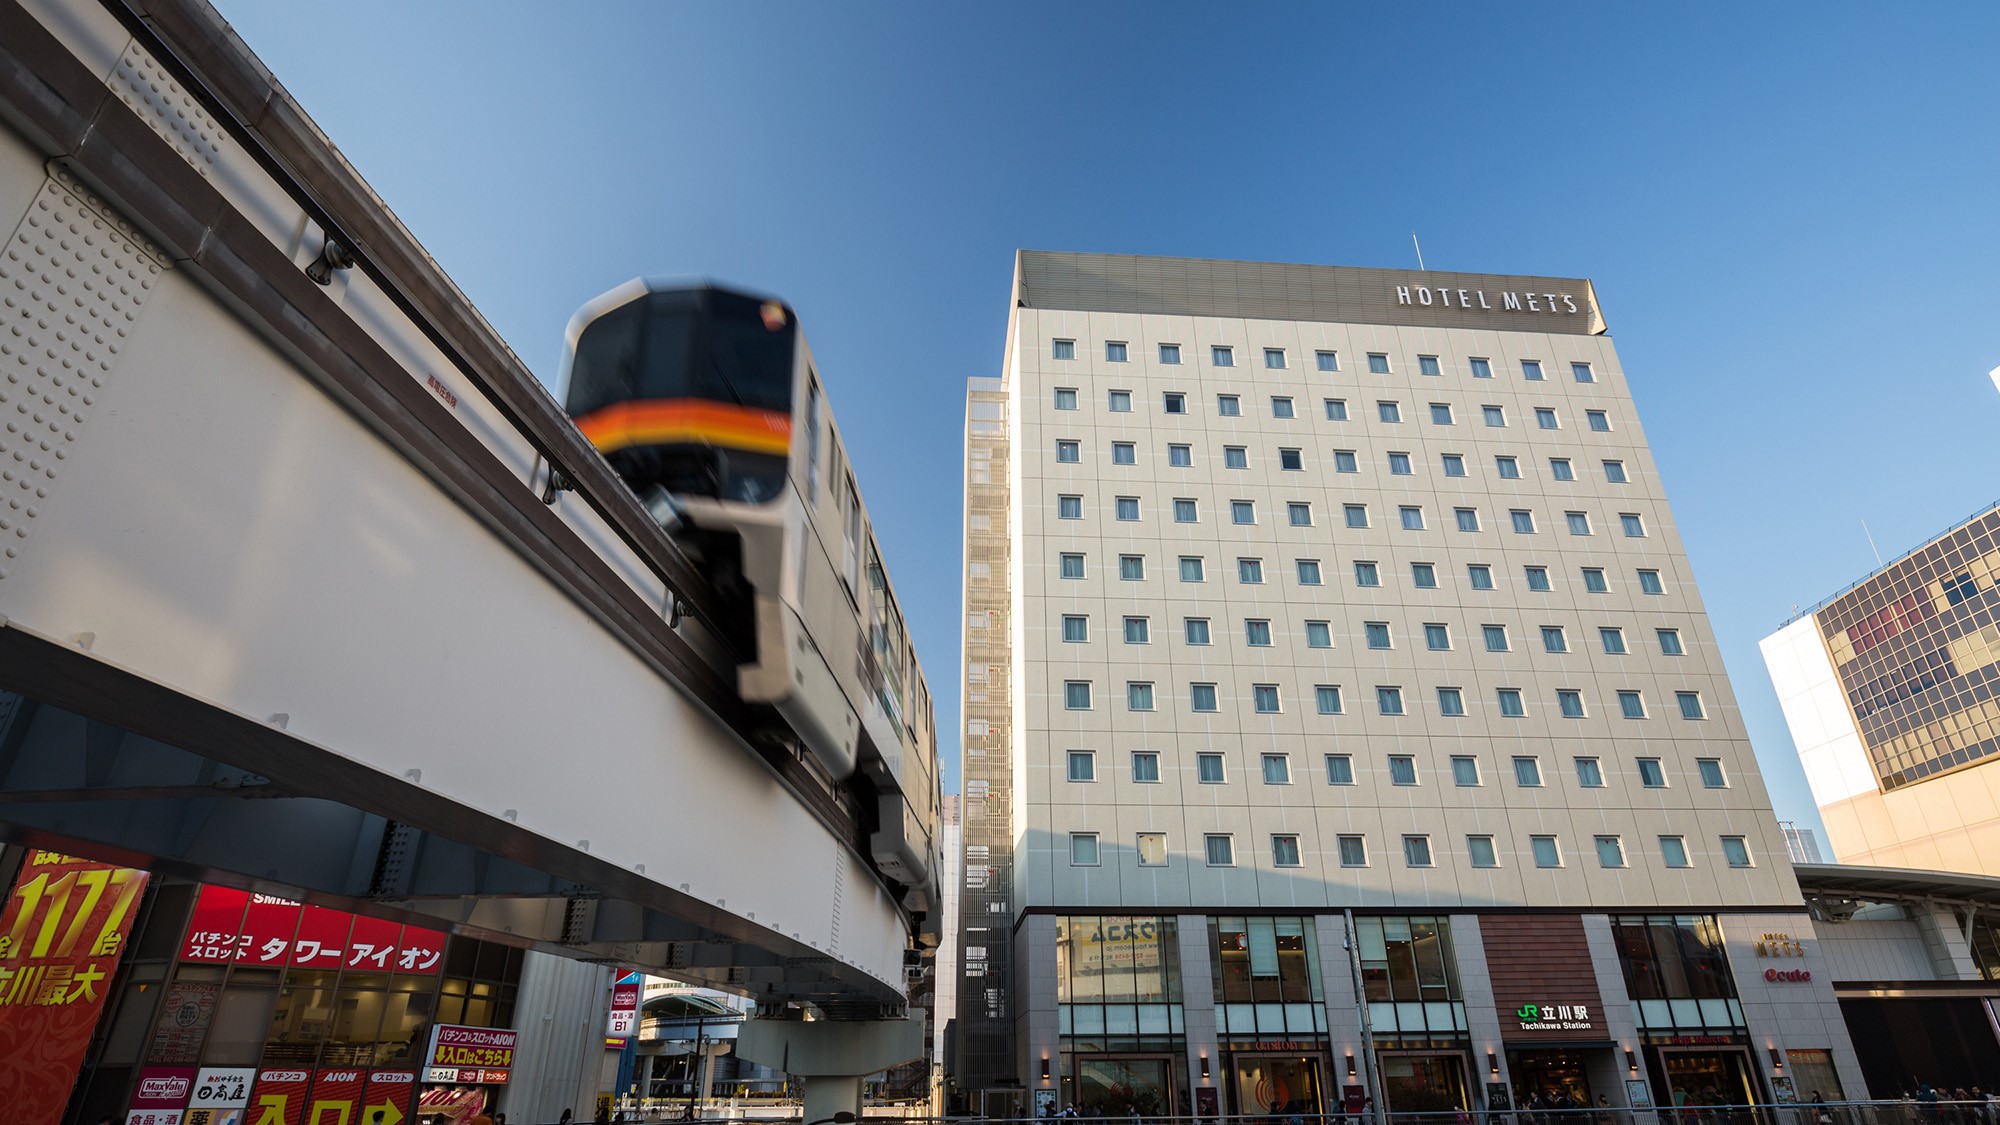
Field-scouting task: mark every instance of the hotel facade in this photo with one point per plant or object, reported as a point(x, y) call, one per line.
point(1343, 720)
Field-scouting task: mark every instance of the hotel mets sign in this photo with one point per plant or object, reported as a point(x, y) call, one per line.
point(1510, 300)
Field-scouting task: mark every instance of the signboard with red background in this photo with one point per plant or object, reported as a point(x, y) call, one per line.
point(232, 925)
point(65, 924)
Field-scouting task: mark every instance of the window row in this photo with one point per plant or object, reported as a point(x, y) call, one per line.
point(1279, 359)
point(1299, 513)
point(1388, 410)
point(1137, 629)
point(1329, 699)
point(1401, 769)
point(1072, 565)
point(1352, 850)
point(1069, 451)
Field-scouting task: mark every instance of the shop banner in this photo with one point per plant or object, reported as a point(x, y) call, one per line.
point(65, 924)
point(389, 1094)
point(336, 1096)
point(230, 925)
point(185, 1014)
point(161, 1096)
point(456, 1105)
point(279, 1097)
point(625, 1006)
point(483, 1049)
point(221, 1096)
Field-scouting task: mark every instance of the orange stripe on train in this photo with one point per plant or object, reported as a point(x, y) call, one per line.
point(684, 420)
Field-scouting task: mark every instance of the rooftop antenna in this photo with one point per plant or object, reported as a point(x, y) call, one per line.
point(1871, 543)
point(1420, 265)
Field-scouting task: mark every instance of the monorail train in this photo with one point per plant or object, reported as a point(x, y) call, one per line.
point(706, 401)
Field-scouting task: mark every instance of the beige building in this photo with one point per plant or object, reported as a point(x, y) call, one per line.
point(1349, 712)
point(1890, 691)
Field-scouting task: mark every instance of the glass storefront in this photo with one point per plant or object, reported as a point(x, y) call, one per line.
point(1558, 1075)
point(1278, 1085)
point(1122, 1087)
point(1424, 1082)
point(1118, 992)
point(1697, 1077)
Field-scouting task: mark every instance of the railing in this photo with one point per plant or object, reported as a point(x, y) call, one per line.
point(1889, 1112)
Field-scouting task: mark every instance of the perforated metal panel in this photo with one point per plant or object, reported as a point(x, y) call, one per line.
point(144, 86)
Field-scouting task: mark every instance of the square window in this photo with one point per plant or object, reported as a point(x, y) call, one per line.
point(1076, 695)
point(1170, 354)
point(1222, 356)
point(1451, 702)
point(1481, 368)
point(1378, 363)
point(1068, 452)
point(1065, 398)
point(1340, 769)
point(1242, 512)
point(1553, 639)
point(1614, 472)
point(1336, 410)
point(1735, 852)
point(1174, 402)
point(1145, 766)
point(1649, 582)
point(1327, 361)
point(1559, 469)
point(1228, 406)
point(1281, 407)
point(1082, 765)
point(1257, 634)
point(1308, 572)
point(1468, 518)
point(1250, 572)
point(1635, 528)
point(1423, 576)
point(1495, 416)
point(1593, 580)
point(1185, 510)
point(1195, 630)
point(1670, 642)
point(1538, 578)
point(1326, 697)
point(1454, 464)
point(1528, 772)
point(1588, 774)
point(1274, 359)
point(1509, 468)
point(1075, 628)
point(1357, 514)
point(1138, 631)
point(1651, 776)
point(1083, 849)
point(1389, 700)
point(1673, 851)
point(1479, 850)
point(1417, 851)
point(1690, 703)
point(1114, 352)
point(1319, 634)
point(1399, 464)
point(1428, 365)
point(1284, 851)
point(1201, 697)
point(1545, 418)
point(1402, 769)
point(1479, 575)
point(1291, 460)
point(1299, 515)
point(1070, 565)
point(1366, 574)
point(1069, 507)
point(1138, 697)
point(1582, 373)
point(1711, 773)
point(1191, 568)
point(1120, 402)
point(1546, 852)
point(1631, 705)
point(1389, 411)
point(1235, 457)
point(1610, 852)
point(1131, 568)
point(1344, 461)
point(1353, 851)
point(1277, 769)
point(1524, 521)
point(1063, 349)
point(1437, 636)
point(1496, 637)
point(1569, 703)
point(1579, 522)
point(1510, 703)
point(1465, 771)
point(1180, 456)
point(1152, 849)
point(1613, 639)
point(1124, 453)
point(1598, 420)
point(1377, 633)
point(1531, 370)
point(1221, 851)
point(1440, 414)
point(1208, 768)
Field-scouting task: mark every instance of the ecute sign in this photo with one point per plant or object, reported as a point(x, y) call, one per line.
point(1562, 304)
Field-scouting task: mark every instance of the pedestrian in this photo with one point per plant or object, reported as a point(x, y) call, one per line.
point(566, 1117)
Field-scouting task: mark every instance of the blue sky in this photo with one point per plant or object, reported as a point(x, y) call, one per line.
point(1790, 215)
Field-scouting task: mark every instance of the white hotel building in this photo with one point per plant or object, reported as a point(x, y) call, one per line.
point(1342, 716)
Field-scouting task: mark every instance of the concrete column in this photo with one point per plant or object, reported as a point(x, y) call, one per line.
point(1198, 1006)
point(832, 1056)
point(1343, 1012)
point(1621, 1021)
point(1943, 931)
point(1482, 1016)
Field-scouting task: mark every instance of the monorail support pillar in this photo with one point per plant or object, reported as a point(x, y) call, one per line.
point(832, 1056)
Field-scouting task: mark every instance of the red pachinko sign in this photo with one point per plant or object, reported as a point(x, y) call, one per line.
point(63, 929)
point(231, 925)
